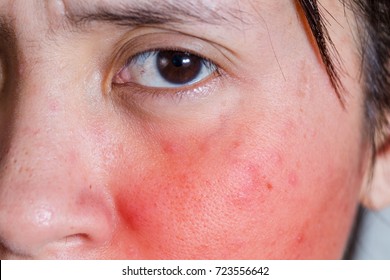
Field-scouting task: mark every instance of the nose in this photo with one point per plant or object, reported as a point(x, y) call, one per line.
point(51, 203)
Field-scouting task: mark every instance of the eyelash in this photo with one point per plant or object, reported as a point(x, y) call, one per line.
point(150, 52)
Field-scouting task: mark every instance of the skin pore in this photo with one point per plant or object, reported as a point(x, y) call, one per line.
point(259, 159)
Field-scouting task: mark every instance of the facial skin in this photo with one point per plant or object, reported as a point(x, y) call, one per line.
point(259, 160)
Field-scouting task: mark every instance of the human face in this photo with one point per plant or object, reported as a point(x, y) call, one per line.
point(103, 159)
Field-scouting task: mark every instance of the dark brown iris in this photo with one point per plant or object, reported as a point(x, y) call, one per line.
point(178, 67)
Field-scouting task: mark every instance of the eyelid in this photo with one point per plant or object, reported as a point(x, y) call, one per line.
point(153, 40)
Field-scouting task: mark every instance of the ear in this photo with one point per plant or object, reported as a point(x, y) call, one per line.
point(377, 194)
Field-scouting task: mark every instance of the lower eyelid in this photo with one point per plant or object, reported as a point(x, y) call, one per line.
point(138, 94)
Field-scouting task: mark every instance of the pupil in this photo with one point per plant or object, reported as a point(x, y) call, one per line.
point(178, 60)
point(178, 67)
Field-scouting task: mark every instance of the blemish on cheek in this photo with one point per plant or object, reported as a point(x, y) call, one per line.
point(54, 106)
point(177, 147)
point(250, 186)
point(292, 179)
point(276, 160)
point(300, 238)
point(236, 144)
point(289, 129)
point(204, 146)
point(168, 147)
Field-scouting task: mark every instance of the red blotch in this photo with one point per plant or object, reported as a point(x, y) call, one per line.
point(169, 147)
point(300, 239)
point(251, 186)
point(292, 179)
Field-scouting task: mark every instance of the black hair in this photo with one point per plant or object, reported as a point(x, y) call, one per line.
point(373, 19)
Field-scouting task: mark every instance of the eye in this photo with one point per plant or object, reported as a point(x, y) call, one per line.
point(165, 69)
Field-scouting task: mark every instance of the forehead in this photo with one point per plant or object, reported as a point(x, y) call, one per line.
point(204, 8)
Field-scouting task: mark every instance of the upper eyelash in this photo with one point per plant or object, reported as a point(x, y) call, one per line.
point(145, 54)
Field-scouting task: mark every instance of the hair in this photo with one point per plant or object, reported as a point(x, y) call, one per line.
point(373, 19)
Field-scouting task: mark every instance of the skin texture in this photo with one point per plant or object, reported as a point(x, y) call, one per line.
point(261, 161)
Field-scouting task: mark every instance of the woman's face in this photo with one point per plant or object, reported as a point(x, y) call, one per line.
point(177, 129)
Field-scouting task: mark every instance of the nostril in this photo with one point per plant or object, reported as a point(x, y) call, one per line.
point(73, 246)
point(75, 239)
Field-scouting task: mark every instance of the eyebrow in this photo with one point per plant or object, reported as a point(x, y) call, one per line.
point(132, 13)
point(7, 32)
point(4, 26)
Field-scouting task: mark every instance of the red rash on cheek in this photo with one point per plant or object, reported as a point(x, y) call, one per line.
point(198, 195)
point(200, 187)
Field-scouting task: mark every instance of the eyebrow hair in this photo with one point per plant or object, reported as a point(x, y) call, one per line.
point(7, 36)
point(153, 13)
point(6, 29)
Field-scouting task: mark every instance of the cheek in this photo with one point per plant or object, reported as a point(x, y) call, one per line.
point(243, 197)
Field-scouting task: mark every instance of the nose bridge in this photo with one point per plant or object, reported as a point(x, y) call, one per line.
point(46, 200)
point(40, 130)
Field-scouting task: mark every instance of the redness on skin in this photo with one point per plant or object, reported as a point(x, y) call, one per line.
point(300, 238)
point(222, 185)
point(190, 179)
point(293, 179)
